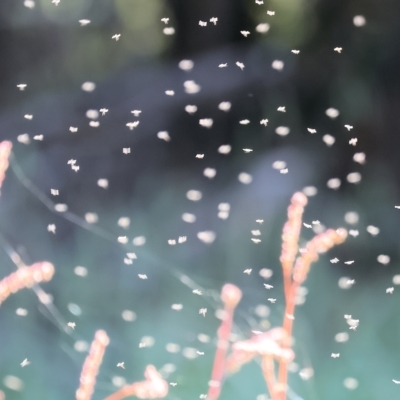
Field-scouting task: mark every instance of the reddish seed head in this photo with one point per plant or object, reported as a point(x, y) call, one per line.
point(231, 295)
point(299, 199)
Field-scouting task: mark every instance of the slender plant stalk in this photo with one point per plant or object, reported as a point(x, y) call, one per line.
point(230, 296)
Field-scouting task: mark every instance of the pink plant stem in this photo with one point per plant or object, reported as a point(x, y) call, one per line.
point(269, 375)
point(230, 296)
point(220, 355)
point(288, 327)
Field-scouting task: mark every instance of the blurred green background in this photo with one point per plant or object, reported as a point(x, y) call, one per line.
point(44, 46)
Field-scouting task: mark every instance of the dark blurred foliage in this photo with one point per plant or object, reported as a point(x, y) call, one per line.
point(46, 48)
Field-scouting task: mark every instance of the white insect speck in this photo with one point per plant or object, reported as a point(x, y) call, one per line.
point(268, 286)
point(353, 232)
point(206, 236)
point(259, 2)
point(260, 221)
point(38, 137)
point(245, 33)
point(247, 150)
point(172, 242)
point(334, 183)
point(316, 222)
point(373, 230)
point(245, 178)
point(329, 140)
point(247, 271)
point(256, 232)
point(338, 49)
point(103, 111)
point(139, 241)
point(223, 65)
point(284, 171)
point(279, 165)
point(84, 22)
point(169, 92)
point(22, 312)
point(296, 51)
point(272, 300)
point(359, 158)
point(136, 113)
point(191, 87)
point(29, 4)
point(383, 259)
point(142, 276)
point(190, 109)
point(103, 183)
point(224, 149)
point(121, 365)
point(350, 383)
point(203, 311)
point(206, 122)
point(173, 384)
point(28, 116)
point(262, 28)
point(132, 125)
point(177, 307)
point(194, 195)
point(61, 207)
point(240, 65)
point(25, 363)
point(22, 86)
point(214, 20)
point(335, 355)
point(72, 325)
point(390, 290)
point(359, 20)
point(225, 106)
point(210, 173)
point(51, 228)
point(202, 23)
point(256, 240)
point(182, 239)
point(186, 65)
point(353, 141)
point(163, 135)
point(349, 262)
point(200, 156)
point(189, 218)
point(56, 2)
point(169, 31)
point(122, 239)
point(311, 130)
point(196, 291)
point(396, 382)
point(332, 112)
point(165, 20)
point(310, 191)
point(271, 12)
point(264, 122)
point(73, 129)
point(244, 122)
point(116, 37)
point(91, 218)
point(348, 127)
point(24, 138)
point(126, 150)
point(278, 65)
point(354, 177)
point(334, 260)
point(307, 225)
point(282, 130)
point(282, 109)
